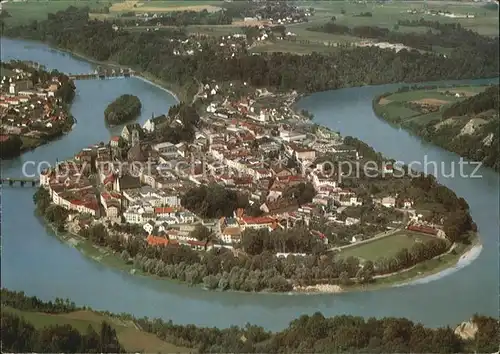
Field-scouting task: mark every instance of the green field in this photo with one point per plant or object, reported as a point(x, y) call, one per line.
point(387, 14)
point(129, 335)
point(27, 11)
point(393, 107)
point(385, 247)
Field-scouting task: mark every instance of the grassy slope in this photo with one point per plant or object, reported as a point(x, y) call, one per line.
point(129, 336)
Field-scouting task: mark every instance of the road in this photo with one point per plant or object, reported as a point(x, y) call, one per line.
point(376, 237)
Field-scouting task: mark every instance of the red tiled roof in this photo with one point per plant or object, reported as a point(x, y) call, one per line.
point(164, 210)
point(157, 240)
point(110, 178)
point(258, 220)
point(196, 243)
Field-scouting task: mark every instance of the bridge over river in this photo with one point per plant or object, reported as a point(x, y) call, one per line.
point(33, 182)
point(104, 73)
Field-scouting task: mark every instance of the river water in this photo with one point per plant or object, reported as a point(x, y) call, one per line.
point(35, 261)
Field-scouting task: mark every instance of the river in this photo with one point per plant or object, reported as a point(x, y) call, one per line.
point(35, 261)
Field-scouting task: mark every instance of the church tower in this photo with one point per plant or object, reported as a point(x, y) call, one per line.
point(135, 137)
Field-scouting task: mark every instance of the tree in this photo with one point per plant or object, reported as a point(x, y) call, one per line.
point(122, 109)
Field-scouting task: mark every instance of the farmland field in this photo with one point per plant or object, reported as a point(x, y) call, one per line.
point(129, 336)
point(485, 19)
point(27, 11)
point(164, 6)
point(394, 107)
point(385, 247)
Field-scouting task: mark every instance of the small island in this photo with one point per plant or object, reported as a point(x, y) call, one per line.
point(123, 109)
point(462, 119)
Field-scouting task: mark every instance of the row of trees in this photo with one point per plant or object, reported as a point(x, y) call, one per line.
point(261, 269)
point(482, 102)
point(20, 336)
point(307, 73)
point(297, 240)
point(449, 35)
point(21, 301)
point(189, 120)
point(315, 333)
point(54, 214)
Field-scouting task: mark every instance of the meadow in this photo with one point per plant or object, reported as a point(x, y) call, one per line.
point(129, 335)
point(29, 10)
point(394, 107)
point(385, 247)
point(387, 14)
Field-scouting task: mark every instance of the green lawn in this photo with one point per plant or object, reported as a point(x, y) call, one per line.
point(393, 108)
point(419, 95)
point(385, 247)
point(396, 110)
point(24, 12)
point(129, 336)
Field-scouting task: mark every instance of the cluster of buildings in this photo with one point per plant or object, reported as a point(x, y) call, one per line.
point(383, 45)
point(250, 143)
point(26, 108)
point(278, 13)
point(439, 13)
point(257, 105)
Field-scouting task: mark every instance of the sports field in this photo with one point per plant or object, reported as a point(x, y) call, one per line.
point(385, 247)
point(129, 336)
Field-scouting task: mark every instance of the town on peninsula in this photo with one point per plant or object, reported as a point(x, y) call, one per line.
point(237, 191)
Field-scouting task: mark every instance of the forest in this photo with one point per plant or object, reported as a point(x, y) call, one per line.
point(20, 336)
point(481, 144)
point(10, 146)
point(308, 333)
point(122, 109)
point(152, 52)
point(482, 102)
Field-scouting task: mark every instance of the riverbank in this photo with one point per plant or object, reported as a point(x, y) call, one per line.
point(389, 280)
point(452, 259)
point(466, 113)
point(175, 91)
point(62, 271)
